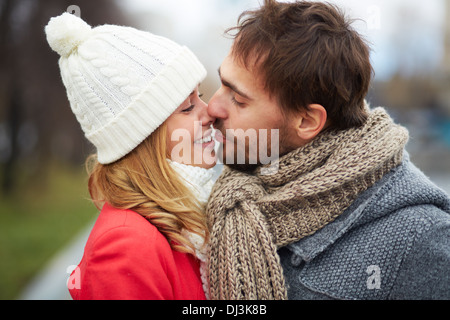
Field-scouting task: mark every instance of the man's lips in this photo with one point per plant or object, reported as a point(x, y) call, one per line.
point(219, 136)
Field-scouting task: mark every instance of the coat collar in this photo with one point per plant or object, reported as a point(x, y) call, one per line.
point(404, 186)
point(308, 248)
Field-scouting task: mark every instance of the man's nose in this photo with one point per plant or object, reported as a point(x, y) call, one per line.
point(216, 106)
point(205, 118)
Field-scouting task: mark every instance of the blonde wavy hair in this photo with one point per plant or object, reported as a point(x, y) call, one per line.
point(143, 181)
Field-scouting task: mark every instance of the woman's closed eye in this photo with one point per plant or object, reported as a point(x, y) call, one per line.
point(189, 109)
point(192, 105)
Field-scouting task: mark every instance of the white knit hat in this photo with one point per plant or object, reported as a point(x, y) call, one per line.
point(122, 83)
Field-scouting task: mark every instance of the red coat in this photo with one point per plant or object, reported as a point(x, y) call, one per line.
point(127, 258)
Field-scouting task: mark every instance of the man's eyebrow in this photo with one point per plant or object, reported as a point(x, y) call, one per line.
point(232, 86)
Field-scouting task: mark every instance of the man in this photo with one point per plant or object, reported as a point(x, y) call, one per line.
point(345, 215)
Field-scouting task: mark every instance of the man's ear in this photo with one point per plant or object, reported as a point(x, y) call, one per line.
point(311, 122)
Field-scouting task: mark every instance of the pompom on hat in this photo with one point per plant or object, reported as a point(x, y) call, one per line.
point(122, 83)
point(66, 33)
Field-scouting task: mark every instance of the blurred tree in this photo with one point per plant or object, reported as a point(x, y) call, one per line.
point(36, 123)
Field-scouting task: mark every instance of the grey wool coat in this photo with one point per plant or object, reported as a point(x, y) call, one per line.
point(392, 243)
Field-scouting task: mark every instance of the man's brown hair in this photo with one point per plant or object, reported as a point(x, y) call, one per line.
point(307, 52)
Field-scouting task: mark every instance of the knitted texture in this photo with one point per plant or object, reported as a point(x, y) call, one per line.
point(399, 226)
point(122, 83)
point(200, 180)
point(252, 215)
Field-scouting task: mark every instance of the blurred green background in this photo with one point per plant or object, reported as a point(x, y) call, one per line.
point(37, 219)
point(45, 211)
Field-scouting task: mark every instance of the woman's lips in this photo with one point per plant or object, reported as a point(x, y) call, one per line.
point(206, 140)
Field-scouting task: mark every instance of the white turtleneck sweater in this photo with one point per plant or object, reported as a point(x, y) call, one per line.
point(200, 181)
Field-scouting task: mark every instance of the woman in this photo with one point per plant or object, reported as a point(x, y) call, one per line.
point(136, 97)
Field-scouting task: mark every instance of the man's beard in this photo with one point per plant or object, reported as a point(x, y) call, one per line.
point(250, 162)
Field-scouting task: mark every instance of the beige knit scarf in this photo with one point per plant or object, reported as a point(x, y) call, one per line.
point(253, 215)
